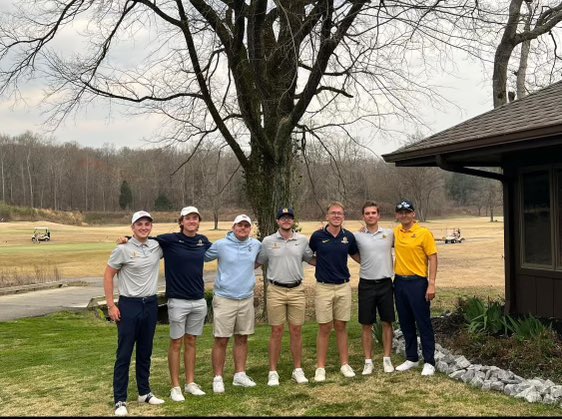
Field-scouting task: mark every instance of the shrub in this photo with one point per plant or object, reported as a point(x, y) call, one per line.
point(530, 328)
point(470, 308)
point(162, 203)
point(493, 321)
point(488, 319)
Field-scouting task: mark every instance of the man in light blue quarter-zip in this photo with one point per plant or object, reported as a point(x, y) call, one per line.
point(233, 299)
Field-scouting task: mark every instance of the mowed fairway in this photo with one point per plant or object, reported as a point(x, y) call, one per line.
point(75, 251)
point(79, 252)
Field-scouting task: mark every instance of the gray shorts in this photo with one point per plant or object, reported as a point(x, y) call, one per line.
point(187, 317)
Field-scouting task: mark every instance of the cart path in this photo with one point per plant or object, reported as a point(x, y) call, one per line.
point(69, 294)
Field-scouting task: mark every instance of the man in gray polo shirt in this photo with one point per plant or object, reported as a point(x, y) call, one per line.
point(375, 284)
point(284, 252)
point(136, 265)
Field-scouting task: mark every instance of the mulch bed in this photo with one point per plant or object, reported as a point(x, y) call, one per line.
point(529, 359)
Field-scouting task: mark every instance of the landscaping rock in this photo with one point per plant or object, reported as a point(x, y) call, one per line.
point(488, 378)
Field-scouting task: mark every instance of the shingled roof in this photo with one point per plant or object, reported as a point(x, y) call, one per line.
point(536, 117)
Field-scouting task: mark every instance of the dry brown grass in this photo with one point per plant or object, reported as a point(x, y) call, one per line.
point(79, 252)
point(475, 263)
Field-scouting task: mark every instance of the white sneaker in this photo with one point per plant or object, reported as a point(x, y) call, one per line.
point(176, 394)
point(405, 366)
point(121, 409)
point(273, 379)
point(150, 399)
point(193, 388)
point(387, 364)
point(367, 368)
point(347, 371)
point(218, 384)
point(242, 380)
point(320, 375)
point(428, 369)
point(298, 376)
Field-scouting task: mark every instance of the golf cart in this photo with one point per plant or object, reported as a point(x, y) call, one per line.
point(41, 234)
point(454, 236)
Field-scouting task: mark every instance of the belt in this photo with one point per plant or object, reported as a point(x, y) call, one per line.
point(409, 277)
point(333, 283)
point(376, 281)
point(141, 299)
point(285, 285)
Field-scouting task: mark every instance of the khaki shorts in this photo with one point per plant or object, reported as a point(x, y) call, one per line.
point(233, 317)
point(285, 303)
point(332, 302)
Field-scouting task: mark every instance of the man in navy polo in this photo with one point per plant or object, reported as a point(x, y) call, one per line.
point(332, 245)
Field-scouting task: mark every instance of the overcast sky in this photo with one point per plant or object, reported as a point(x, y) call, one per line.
point(96, 126)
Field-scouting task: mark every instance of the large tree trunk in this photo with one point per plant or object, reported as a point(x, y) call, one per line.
point(525, 49)
point(268, 187)
point(503, 53)
point(269, 183)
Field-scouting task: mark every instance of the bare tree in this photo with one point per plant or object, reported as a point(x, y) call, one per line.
point(3, 154)
point(264, 76)
point(538, 17)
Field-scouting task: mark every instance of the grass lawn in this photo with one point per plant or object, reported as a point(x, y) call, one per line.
point(62, 365)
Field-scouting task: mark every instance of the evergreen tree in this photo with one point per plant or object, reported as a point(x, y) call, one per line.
point(162, 203)
point(126, 195)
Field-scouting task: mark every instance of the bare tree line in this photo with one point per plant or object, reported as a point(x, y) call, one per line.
point(39, 172)
point(269, 78)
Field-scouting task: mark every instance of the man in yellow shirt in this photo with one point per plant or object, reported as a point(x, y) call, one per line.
point(415, 269)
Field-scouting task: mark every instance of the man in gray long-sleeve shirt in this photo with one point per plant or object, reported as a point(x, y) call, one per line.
point(284, 252)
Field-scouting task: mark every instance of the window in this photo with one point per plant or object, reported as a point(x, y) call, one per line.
point(537, 224)
point(559, 213)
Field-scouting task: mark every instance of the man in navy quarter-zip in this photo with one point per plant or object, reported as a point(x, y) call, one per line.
point(184, 257)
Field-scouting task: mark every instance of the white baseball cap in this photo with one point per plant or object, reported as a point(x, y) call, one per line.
point(242, 217)
point(140, 214)
point(189, 210)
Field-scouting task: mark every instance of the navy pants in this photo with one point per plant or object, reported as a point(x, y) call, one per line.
point(137, 326)
point(413, 309)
